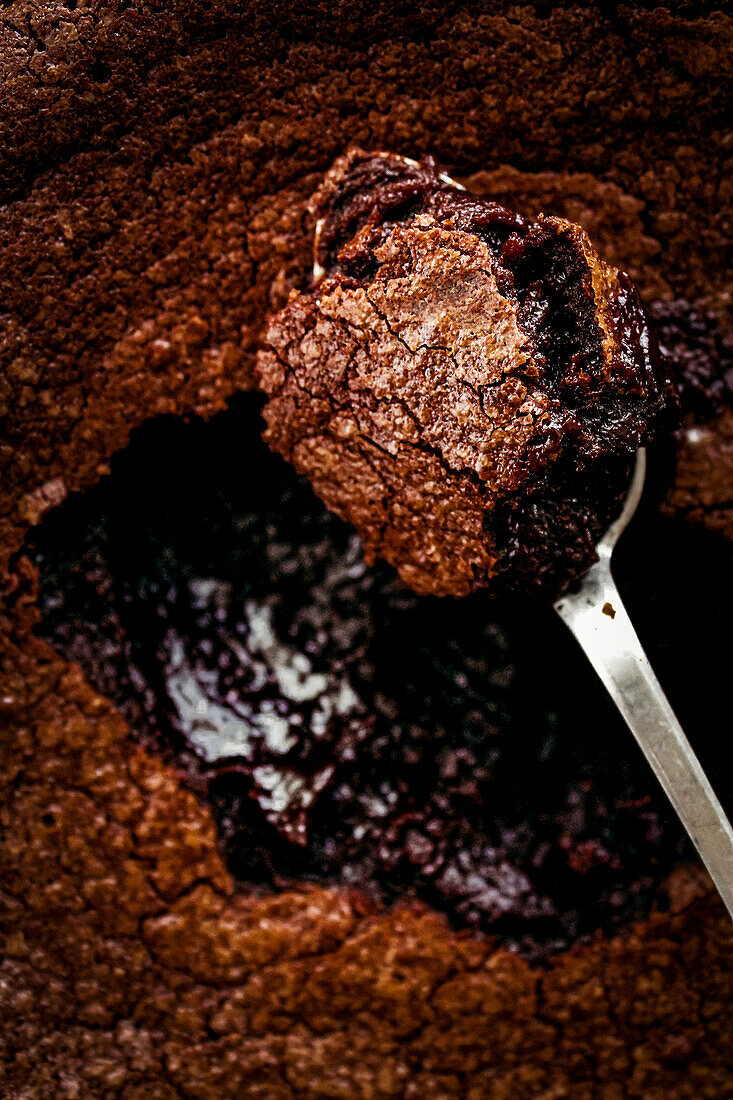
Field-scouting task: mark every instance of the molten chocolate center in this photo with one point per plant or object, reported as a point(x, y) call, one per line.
point(343, 729)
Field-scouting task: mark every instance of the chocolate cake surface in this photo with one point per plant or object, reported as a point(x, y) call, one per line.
point(155, 167)
point(465, 387)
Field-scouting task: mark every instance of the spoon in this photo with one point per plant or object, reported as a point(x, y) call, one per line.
point(598, 619)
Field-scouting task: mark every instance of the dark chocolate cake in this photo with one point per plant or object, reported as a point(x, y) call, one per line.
point(372, 907)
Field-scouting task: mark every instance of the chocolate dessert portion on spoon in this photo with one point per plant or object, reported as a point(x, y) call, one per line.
point(473, 392)
point(467, 388)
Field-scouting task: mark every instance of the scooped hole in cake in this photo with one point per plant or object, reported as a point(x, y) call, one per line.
point(345, 731)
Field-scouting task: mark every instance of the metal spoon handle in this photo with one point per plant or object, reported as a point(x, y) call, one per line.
point(599, 621)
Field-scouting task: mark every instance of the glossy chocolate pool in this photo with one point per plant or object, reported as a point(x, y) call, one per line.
point(343, 729)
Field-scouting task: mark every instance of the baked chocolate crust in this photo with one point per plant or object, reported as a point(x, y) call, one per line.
point(465, 387)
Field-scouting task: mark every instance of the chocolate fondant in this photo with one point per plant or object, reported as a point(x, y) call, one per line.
point(155, 166)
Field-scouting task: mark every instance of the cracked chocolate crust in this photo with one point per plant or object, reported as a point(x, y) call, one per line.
point(464, 386)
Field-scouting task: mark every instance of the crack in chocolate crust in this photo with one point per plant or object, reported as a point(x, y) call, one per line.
point(344, 730)
point(465, 387)
point(701, 355)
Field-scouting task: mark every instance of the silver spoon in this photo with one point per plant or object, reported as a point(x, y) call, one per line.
point(598, 619)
